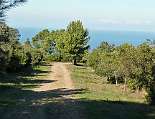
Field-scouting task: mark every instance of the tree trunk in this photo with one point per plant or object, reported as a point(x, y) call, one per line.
point(74, 62)
point(116, 82)
point(125, 81)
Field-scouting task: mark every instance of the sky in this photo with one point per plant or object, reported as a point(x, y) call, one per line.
point(133, 15)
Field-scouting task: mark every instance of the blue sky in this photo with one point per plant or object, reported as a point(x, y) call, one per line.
point(133, 15)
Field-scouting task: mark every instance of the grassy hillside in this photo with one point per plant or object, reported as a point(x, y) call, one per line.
point(106, 101)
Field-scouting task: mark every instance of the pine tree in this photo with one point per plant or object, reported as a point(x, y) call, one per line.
point(77, 43)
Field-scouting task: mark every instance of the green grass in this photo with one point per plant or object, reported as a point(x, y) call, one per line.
point(97, 88)
point(107, 101)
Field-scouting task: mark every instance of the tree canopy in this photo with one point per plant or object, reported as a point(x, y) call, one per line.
point(68, 44)
point(131, 65)
point(7, 4)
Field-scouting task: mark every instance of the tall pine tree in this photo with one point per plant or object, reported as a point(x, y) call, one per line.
point(77, 43)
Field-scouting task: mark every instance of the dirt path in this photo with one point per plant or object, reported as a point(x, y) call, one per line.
point(60, 77)
point(62, 86)
point(53, 99)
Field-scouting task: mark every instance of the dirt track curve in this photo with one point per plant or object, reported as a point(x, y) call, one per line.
point(60, 77)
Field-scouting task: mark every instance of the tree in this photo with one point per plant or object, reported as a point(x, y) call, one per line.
point(40, 39)
point(127, 64)
point(146, 63)
point(9, 45)
point(41, 42)
point(37, 57)
point(4, 32)
point(77, 42)
point(127, 54)
point(27, 53)
point(27, 46)
point(105, 61)
point(28, 59)
point(7, 4)
point(62, 39)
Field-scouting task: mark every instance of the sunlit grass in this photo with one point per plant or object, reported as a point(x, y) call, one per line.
point(97, 87)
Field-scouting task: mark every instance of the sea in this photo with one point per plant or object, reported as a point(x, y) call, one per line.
point(98, 36)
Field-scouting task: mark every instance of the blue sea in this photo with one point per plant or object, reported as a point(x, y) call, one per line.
point(96, 37)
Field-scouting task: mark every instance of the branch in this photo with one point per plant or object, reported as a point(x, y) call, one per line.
point(11, 4)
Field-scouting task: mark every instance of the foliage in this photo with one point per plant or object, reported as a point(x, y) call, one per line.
point(14, 55)
point(64, 44)
point(7, 4)
point(39, 40)
point(77, 43)
point(9, 44)
point(37, 57)
point(127, 64)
